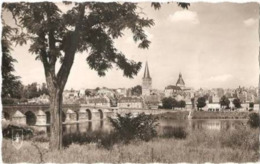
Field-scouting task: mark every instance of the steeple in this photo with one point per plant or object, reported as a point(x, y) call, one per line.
point(147, 81)
point(180, 81)
point(146, 72)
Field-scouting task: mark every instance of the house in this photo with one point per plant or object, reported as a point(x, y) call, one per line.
point(152, 101)
point(130, 102)
point(98, 101)
point(172, 91)
point(213, 106)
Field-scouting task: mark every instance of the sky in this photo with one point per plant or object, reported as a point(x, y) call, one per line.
point(213, 45)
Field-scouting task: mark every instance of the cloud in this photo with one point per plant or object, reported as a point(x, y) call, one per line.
point(250, 22)
point(185, 16)
point(220, 78)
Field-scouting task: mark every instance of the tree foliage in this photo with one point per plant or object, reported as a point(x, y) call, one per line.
point(201, 102)
point(237, 103)
point(137, 90)
point(224, 101)
point(129, 127)
point(169, 103)
point(181, 104)
point(157, 5)
point(11, 83)
point(51, 32)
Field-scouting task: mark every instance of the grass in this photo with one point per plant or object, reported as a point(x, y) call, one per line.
point(239, 145)
point(220, 115)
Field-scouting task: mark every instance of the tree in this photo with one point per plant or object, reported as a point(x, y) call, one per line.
point(89, 26)
point(201, 102)
point(237, 103)
point(44, 89)
point(88, 92)
point(59, 36)
point(182, 104)
point(11, 84)
point(169, 103)
point(224, 102)
point(137, 90)
point(251, 106)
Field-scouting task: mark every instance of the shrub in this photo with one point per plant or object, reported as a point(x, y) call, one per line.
point(10, 130)
point(176, 132)
point(140, 127)
point(253, 120)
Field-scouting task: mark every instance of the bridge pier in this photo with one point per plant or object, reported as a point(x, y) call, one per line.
point(40, 118)
point(83, 115)
point(96, 116)
point(19, 118)
point(71, 116)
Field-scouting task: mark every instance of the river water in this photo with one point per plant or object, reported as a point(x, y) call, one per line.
point(205, 124)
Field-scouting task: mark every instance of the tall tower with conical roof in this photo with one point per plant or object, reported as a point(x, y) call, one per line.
point(147, 81)
point(180, 82)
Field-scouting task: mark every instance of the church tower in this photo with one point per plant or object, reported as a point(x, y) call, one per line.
point(180, 82)
point(147, 81)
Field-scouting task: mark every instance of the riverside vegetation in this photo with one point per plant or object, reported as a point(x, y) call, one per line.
point(135, 139)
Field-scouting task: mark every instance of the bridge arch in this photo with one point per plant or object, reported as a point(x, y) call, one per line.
point(101, 114)
point(89, 114)
point(6, 115)
point(30, 118)
point(48, 117)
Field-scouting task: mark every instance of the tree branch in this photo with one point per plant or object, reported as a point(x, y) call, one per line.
point(70, 49)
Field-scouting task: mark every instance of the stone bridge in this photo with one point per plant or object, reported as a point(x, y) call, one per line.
point(39, 115)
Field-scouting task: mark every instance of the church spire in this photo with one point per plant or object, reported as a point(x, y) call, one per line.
point(146, 72)
point(180, 81)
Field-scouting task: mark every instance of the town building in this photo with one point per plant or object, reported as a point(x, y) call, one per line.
point(147, 81)
point(130, 102)
point(98, 101)
point(172, 91)
point(152, 101)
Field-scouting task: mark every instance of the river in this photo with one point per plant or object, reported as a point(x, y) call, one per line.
point(205, 124)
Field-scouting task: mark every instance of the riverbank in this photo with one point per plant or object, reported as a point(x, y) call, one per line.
point(205, 115)
point(240, 145)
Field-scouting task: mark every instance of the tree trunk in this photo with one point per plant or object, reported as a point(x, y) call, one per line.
point(56, 119)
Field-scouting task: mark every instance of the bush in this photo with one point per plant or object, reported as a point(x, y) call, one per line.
point(253, 120)
point(176, 132)
point(10, 130)
point(140, 127)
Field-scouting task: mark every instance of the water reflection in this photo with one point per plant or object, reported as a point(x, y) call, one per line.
point(91, 126)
